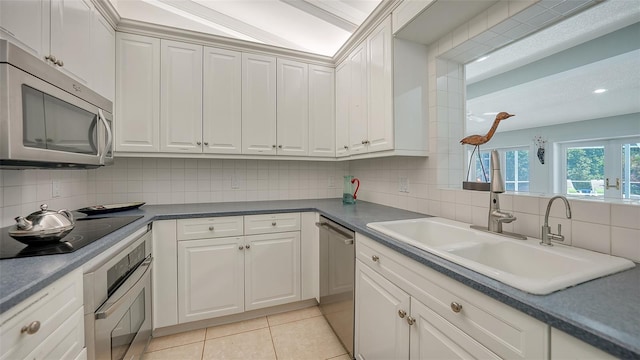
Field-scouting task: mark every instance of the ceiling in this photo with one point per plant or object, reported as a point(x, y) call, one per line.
point(314, 26)
point(564, 90)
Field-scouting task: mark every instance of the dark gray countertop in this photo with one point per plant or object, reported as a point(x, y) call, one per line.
point(604, 312)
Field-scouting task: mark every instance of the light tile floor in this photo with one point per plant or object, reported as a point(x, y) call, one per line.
point(300, 334)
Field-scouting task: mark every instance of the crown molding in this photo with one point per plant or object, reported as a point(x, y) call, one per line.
point(195, 37)
point(108, 11)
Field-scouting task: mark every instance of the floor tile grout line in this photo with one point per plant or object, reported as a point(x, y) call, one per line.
point(273, 344)
point(173, 346)
point(292, 321)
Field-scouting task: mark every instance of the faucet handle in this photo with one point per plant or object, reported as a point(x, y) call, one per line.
point(559, 229)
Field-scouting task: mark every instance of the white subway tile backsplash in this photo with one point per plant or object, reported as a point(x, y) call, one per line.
point(591, 236)
point(526, 204)
point(625, 243)
point(591, 211)
point(625, 216)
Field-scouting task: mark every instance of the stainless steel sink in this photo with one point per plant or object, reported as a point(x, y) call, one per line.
point(523, 264)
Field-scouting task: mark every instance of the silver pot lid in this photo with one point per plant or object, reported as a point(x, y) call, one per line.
point(45, 220)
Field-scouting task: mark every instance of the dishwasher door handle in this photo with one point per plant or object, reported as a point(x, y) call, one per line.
point(347, 238)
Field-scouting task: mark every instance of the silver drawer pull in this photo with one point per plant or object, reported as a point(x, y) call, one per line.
point(375, 258)
point(273, 223)
point(240, 247)
point(211, 228)
point(402, 313)
point(410, 320)
point(247, 246)
point(455, 307)
point(31, 328)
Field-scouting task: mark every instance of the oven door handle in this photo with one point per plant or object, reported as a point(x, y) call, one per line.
point(347, 238)
point(111, 306)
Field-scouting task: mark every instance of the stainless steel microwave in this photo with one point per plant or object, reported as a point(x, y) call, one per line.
point(47, 119)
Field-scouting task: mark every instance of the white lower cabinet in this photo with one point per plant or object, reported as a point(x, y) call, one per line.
point(407, 310)
point(212, 267)
point(272, 269)
point(566, 347)
point(380, 332)
point(210, 278)
point(47, 325)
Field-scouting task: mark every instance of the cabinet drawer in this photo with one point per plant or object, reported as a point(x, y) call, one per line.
point(271, 223)
point(51, 307)
point(505, 331)
point(66, 342)
point(206, 228)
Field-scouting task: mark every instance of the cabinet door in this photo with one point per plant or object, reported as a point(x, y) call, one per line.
point(222, 101)
point(210, 278)
point(321, 111)
point(181, 97)
point(26, 23)
point(343, 91)
point(380, 86)
point(137, 118)
point(272, 269)
point(66, 342)
point(358, 100)
point(71, 37)
point(567, 347)
point(433, 337)
point(258, 104)
point(380, 331)
point(164, 275)
point(293, 108)
point(104, 57)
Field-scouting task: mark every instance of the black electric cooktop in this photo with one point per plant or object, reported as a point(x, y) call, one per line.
point(86, 231)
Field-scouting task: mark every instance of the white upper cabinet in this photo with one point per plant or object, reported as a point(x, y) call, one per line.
point(321, 111)
point(31, 35)
point(358, 100)
point(380, 86)
point(181, 97)
point(71, 37)
point(292, 108)
point(222, 101)
point(104, 57)
point(137, 119)
point(258, 104)
point(343, 89)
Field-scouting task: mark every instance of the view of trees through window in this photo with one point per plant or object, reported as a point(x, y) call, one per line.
point(583, 166)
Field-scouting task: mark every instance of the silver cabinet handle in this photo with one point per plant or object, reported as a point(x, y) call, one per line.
point(240, 247)
point(273, 146)
point(273, 223)
point(375, 258)
point(206, 143)
point(364, 142)
point(346, 147)
point(199, 143)
point(59, 63)
point(211, 228)
point(410, 320)
point(279, 146)
point(51, 58)
point(31, 329)
point(402, 313)
point(247, 246)
point(455, 307)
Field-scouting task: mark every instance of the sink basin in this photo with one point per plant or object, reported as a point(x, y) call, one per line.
point(523, 264)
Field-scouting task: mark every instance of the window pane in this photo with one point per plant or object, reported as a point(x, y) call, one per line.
point(478, 168)
point(516, 170)
point(631, 171)
point(585, 170)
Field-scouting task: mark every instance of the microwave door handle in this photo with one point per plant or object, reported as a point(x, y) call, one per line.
point(109, 136)
point(110, 307)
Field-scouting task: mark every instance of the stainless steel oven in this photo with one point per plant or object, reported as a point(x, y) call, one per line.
point(117, 298)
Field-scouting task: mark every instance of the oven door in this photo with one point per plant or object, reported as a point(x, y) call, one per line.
point(123, 322)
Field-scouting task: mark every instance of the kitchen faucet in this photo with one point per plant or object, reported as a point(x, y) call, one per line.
point(496, 216)
point(547, 235)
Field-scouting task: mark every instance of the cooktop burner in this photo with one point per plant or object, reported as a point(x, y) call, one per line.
point(86, 231)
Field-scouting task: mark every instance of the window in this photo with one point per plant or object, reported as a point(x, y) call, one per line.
point(514, 165)
point(607, 168)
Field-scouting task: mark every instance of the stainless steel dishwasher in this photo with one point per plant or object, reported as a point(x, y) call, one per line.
point(337, 272)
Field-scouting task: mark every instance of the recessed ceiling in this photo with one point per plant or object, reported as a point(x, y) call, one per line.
point(564, 90)
point(314, 26)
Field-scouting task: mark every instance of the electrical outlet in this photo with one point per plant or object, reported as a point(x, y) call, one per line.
point(235, 184)
point(403, 184)
point(56, 189)
point(332, 182)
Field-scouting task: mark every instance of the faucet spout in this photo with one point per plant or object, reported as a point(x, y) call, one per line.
point(547, 235)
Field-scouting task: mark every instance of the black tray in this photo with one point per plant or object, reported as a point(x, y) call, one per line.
point(111, 208)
